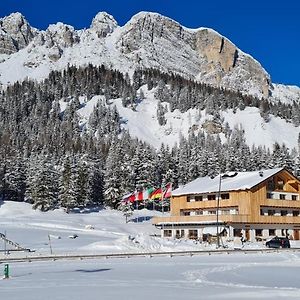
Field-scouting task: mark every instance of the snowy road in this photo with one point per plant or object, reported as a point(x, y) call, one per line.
point(253, 276)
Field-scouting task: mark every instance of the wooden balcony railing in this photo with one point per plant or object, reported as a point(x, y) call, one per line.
point(199, 219)
point(229, 219)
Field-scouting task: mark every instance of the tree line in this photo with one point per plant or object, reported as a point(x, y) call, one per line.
point(50, 159)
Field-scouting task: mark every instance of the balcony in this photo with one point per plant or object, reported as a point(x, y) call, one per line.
point(202, 219)
point(229, 219)
point(281, 203)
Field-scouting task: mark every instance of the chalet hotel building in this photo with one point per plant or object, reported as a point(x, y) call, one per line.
point(257, 205)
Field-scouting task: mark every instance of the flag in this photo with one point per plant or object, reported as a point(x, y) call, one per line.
point(128, 198)
point(168, 191)
point(139, 196)
point(147, 192)
point(156, 194)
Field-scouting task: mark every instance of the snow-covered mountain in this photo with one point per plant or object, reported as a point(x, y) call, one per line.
point(257, 131)
point(149, 40)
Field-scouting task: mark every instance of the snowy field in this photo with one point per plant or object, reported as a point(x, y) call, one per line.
point(216, 276)
point(235, 276)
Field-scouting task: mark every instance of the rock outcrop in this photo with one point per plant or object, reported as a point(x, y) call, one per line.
point(15, 33)
point(103, 24)
point(216, 49)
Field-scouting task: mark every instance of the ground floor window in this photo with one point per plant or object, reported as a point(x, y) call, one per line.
point(271, 232)
point(167, 233)
point(193, 234)
point(179, 234)
point(237, 232)
point(258, 232)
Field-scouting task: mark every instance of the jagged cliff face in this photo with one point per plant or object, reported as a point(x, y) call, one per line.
point(225, 64)
point(103, 24)
point(148, 40)
point(15, 33)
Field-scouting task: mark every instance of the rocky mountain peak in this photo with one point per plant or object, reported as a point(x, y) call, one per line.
point(103, 24)
point(147, 40)
point(224, 62)
point(15, 33)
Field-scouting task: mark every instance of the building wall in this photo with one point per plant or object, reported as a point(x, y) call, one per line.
point(249, 204)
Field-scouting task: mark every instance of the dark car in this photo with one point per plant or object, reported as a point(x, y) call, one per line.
point(278, 242)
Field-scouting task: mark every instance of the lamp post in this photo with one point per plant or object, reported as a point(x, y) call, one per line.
point(225, 175)
point(218, 205)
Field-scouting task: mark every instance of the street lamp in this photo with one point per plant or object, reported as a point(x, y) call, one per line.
point(225, 175)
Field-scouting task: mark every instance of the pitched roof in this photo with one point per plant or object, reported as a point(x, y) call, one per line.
point(241, 181)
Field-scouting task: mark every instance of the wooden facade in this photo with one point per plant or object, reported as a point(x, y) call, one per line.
point(269, 208)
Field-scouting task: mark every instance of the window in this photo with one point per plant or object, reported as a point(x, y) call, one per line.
point(225, 212)
point(234, 211)
point(271, 212)
point(269, 195)
point(280, 184)
point(271, 232)
point(271, 185)
point(211, 197)
point(179, 234)
point(199, 212)
point(188, 199)
point(281, 196)
point(224, 196)
point(198, 198)
point(294, 197)
point(167, 233)
point(283, 213)
point(186, 213)
point(262, 212)
point(258, 232)
point(237, 232)
point(295, 213)
point(193, 234)
point(212, 212)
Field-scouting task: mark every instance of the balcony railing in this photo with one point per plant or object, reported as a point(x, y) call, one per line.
point(229, 219)
point(199, 219)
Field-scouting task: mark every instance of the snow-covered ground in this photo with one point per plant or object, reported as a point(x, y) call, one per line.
point(257, 131)
point(217, 276)
point(236, 276)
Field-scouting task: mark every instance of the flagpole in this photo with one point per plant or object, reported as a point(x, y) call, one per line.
point(162, 201)
point(137, 205)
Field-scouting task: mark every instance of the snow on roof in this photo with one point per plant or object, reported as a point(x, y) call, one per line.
point(241, 181)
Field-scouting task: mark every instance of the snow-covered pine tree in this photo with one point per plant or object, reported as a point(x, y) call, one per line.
point(14, 179)
point(126, 209)
point(45, 186)
point(112, 179)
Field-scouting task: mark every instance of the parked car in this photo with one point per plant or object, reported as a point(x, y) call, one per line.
point(278, 242)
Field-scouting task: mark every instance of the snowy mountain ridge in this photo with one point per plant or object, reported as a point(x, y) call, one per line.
point(148, 40)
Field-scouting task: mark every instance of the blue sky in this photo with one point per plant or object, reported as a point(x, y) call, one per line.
point(268, 30)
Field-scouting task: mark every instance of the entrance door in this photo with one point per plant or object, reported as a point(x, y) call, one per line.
point(296, 234)
point(247, 232)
